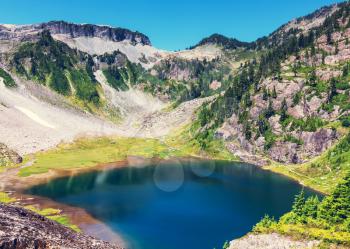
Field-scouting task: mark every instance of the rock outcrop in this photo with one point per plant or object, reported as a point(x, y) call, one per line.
point(271, 241)
point(21, 228)
point(8, 156)
point(72, 30)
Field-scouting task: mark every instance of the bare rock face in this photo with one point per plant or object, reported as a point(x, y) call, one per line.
point(285, 152)
point(28, 32)
point(21, 228)
point(275, 124)
point(8, 156)
point(271, 241)
point(317, 142)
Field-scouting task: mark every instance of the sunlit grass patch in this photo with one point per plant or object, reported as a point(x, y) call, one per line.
point(5, 198)
point(89, 152)
point(55, 215)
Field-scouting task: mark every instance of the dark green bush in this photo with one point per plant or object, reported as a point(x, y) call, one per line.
point(8, 80)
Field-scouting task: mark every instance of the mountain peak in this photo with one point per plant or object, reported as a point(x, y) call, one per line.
point(73, 30)
point(221, 40)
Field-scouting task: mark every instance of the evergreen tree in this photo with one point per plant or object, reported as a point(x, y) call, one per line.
point(335, 208)
point(284, 109)
point(295, 69)
point(313, 50)
point(274, 93)
point(332, 90)
point(269, 111)
point(312, 77)
point(346, 70)
point(265, 95)
point(329, 37)
point(311, 207)
point(247, 130)
point(299, 204)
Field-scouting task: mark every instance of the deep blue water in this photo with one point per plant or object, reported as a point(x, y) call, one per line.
point(177, 205)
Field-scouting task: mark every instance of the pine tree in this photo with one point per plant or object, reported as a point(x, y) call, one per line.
point(274, 93)
point(299, 204)
point(313, 50)
point(346, 70)
point(269, 111)
point(265, 94)
point(312, 77)
point(295, 69)
point(335, 208)
point(329, 37)
point(332, 90)
point(262, 124)
point(247, 130)
point(311, 207)
point(284, 109)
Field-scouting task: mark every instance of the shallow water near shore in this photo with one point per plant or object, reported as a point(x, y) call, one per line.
point(177, 204)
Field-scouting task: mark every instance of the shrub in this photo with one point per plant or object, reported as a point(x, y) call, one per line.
point(8, 80)
point(345, 121)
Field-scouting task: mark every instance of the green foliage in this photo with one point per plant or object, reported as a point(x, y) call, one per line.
point(226, 245)
point(84, 86)
point(227, 43)
point(115, 78)
point(269, 112)
point(345, 121)
point(266, 222)
point(290, 138)
point(297, 98)
point(59, 82)
point(5, 198)
point(327, 220)
point(299, 203)
point(8, 80)
point(284, 109)
point(274, 93)
point(332, 90)
point(56, 65)
point(308, 124)
point(263, 124)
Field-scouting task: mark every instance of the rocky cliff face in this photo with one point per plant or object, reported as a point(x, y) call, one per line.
point(21, 228)
point(29, 32)
point(286, 104)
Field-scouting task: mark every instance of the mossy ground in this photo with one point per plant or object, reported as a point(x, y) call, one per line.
point(89, 152)
point(5, 198)
point(55, 215)
point(301, 232)
point(50, 213)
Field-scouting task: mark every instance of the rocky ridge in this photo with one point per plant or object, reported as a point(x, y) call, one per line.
point(21, 228)
point(72, 30)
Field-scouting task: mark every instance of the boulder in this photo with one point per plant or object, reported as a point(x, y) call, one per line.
point(284, 152)
point(8, 156)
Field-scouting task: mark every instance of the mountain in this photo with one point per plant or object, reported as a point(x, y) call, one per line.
point(281, 102)
point(72, 30)
point(225, 42)
point(92, 39)
point(281, 105)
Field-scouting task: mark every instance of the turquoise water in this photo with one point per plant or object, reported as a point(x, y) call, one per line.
point(177, 205)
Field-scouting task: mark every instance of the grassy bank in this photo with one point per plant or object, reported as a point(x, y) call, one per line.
point(50, 213)
point(327, 220)
point(89, 152)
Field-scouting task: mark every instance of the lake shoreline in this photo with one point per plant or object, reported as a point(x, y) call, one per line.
point(16, 186)
point(79, 216)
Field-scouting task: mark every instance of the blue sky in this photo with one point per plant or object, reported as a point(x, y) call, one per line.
point(170, 24)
